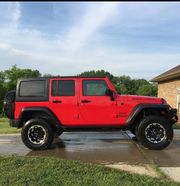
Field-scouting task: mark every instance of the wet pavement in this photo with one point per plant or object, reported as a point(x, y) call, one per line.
point(169, 157)
point(97, 147)
point(94, 147)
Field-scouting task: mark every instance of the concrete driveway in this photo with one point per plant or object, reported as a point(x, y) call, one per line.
point(113, 149)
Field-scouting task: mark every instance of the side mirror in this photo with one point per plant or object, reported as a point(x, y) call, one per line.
point(110, 93)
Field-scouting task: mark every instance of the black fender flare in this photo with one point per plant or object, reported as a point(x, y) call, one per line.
point(136, 111)
point(49, 115)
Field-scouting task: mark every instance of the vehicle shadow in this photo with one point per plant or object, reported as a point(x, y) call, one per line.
point(57, 148)
point(101, 151)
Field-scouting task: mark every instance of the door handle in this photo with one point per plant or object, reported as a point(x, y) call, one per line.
point(57, 101)
point(85, 101)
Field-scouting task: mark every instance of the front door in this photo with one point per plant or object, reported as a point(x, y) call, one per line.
point(96, 108)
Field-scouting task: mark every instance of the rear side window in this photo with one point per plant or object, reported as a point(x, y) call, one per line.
point(94, 87)
point(63, 88)
point(32, 88)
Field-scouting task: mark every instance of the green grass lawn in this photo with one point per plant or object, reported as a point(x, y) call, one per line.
point(5, 128)
point(51, 171)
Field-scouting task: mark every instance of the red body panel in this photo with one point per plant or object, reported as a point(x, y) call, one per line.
point(67, 110)
point(100, 110)
point(126, 104)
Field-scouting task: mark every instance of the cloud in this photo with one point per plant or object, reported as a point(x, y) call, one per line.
point(110, 36)
point(10, 14)
point(134, 64)
point(89, 24)
point(16, 14)
point(26, 54)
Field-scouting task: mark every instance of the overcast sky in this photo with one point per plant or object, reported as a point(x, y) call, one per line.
point(141, 40)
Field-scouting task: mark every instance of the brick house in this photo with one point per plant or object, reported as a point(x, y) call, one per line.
point(169, 86)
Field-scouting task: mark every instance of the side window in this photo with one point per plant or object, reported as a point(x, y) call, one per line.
point(63, 88)
point(32, 88)
point(94, 87)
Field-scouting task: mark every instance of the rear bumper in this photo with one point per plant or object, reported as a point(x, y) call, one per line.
point(14, 123)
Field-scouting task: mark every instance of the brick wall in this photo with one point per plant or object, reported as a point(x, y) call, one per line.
point(168, 91)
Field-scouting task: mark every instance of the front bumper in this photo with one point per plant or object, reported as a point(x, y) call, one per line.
point(172, 114)
point(14, 123)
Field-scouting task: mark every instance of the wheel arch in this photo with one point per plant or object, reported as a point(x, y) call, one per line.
point(142, 110)
point(39, 112)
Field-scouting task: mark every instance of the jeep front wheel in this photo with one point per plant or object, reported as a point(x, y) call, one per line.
point(36, 134)
point(155, 132)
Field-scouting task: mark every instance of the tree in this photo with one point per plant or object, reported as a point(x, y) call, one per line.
point(2, 90)
point(97, 73)
point(121, 89)
point(138, 83)
point(8, 80)
point(123, 84)
point(147, 90)
point(112, 78)
point(47, 75)
point(14, 73)
point(126, 85)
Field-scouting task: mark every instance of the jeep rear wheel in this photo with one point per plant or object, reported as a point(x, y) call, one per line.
point(154, 132)
point(36, 134)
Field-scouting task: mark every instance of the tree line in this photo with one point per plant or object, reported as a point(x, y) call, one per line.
point(123, 84)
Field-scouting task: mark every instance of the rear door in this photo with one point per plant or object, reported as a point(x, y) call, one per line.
point(95, 107)
point(64, 100)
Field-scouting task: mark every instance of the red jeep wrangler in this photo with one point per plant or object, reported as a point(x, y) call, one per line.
point(46, 107)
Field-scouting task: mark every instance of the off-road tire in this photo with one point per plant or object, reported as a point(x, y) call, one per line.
point(152, 121)
point(44, 126)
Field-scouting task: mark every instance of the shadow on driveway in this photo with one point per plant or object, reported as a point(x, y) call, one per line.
point(97, 147)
